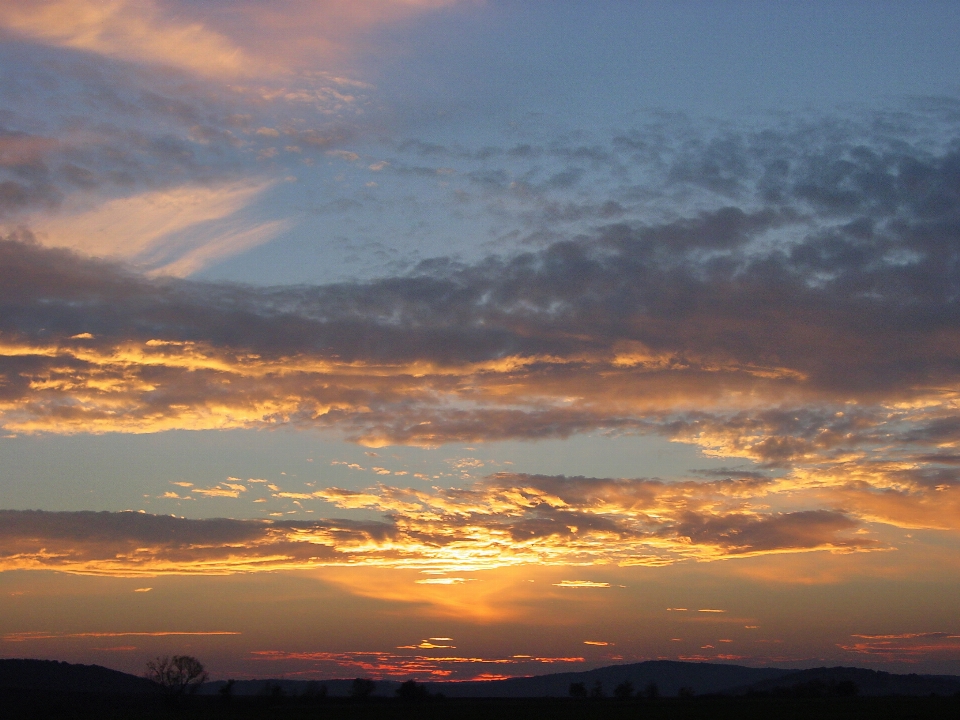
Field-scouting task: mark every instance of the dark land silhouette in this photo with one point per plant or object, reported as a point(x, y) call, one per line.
point(53, 676)
point(656, 689)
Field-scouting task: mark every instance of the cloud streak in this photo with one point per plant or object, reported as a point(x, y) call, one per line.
point(157, 231)
point(30, 636)
point(380, 664)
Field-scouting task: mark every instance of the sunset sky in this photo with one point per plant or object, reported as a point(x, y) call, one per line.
point(451, 339)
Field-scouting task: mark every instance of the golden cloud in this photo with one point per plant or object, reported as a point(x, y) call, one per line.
point(507, 520)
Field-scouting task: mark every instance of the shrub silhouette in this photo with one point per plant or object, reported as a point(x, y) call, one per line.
point(177, 675)
point(362, 688)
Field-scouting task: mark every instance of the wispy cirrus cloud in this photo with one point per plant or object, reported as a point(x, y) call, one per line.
point(174, 231)
point(227, 41)
point(136, 30)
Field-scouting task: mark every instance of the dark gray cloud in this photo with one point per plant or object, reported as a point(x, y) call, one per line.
point(743, 534)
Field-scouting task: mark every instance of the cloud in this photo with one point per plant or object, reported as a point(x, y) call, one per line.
point(27, 636)
point(804, 320)
point(443, 581)
point(134, 30)
point(222, 40)
point(174, 231)
point(505, 520)
point(132, 544)
point(905, 647)
point(141, 164)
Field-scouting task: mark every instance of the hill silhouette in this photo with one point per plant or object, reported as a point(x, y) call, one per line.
point(669, 676)
point(50, 675)
point(868, 682)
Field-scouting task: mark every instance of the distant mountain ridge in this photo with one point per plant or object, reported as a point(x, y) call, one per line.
point(668, 675)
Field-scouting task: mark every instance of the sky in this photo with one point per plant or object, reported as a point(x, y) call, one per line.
point(456, 339)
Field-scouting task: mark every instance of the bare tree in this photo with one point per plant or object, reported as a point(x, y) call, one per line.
point(177, 675)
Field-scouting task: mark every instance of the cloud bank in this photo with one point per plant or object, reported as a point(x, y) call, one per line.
point(809, 325)
point(796, 310)
point(505, 520)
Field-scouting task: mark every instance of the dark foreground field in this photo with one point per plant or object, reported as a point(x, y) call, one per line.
point(43, 706)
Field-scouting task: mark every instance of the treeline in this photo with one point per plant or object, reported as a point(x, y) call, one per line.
point(816, 688)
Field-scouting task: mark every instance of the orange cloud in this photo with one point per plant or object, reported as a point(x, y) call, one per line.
point(137, 30)
point(235, 40)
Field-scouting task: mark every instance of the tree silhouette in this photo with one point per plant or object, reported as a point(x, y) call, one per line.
point(597, 690)
point(578, 690)
point(412, 691)
point(226, 691)
point(652, 692)
point(623, 691)
point(362, 688)
point(177, 675)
